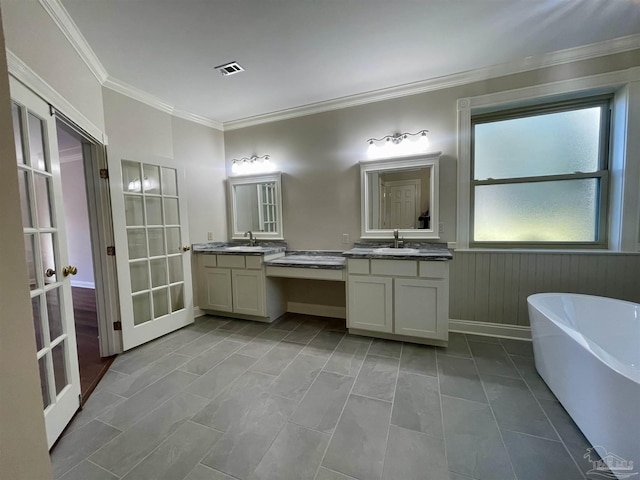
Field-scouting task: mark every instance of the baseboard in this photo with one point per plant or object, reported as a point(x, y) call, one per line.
point(81, 284)
point(518, 332)
point(198, 313)
point(317, 310)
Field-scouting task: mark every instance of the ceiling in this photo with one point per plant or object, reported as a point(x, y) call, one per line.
point(300, 52)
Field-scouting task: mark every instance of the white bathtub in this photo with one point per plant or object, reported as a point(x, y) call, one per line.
point(587, 349)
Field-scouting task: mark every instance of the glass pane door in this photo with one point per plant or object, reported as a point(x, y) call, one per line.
point(153, 234)
point(46, 257)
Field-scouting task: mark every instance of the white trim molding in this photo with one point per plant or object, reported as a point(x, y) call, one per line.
point(501, 330)
point(626, 146)
point(25, 75)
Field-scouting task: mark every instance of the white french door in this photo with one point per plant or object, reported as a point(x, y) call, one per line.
point(152, 248)
point(46, 256)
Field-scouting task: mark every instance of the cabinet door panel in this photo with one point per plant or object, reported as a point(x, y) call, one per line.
point(217, 294)
point(421, 308)
point(370, 303)
point(248, 292)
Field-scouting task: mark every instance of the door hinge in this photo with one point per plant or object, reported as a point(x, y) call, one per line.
point(111, 251)
point(104, 173)
point(117, 325)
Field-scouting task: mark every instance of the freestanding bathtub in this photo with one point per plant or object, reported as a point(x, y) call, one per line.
point(587, 350)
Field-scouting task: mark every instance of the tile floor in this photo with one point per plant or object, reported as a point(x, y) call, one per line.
point(302, 399)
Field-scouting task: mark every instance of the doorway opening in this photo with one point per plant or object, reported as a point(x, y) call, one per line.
point(77, 165)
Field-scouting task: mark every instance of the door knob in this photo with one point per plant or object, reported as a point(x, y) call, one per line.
point(69, 270)
point(49, 272)
point(186, 248)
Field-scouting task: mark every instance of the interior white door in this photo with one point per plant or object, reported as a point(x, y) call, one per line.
point(152, 248)
point(46, 255)
point(403, 204)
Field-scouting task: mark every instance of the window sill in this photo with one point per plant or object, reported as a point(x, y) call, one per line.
point(551, 251)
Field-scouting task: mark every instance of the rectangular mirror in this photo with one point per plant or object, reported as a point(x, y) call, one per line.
point(400, 193)
point(256, 206)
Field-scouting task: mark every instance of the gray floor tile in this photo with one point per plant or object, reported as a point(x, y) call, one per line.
point(527, 368)
point(206, 323)
point(414, 456)
point(517, 347)
point(347, 358)
point(418, 359)
point(457, 346)
point(304, 333)
point(535, 458)
point(234, 325)
point(324, 343)
point(97, 404)
point(77, 446)
point(229, 407)
point(249, 332)
point(473, 443)
point(203, 343)
point(358, 338)
point(139, 358)
point(359, 442)
point(385, 348)
point(122, 454)
point(459, 378)
point(179, 338)
point(109, 379)
point(339, 324)
point(377, 377)
point(202, 472)
point(321, 407)
point(326, 474)
point(457, 476)
point(242, 447)
point(295, 454)
point(263, 343)
point(220, 377)
point(492, 359)
point(88, 471)
point(132, 384)
point(417, 404)
point(569, 432)
point(274, 362)
point(125, 414)
point(296, 379)
point(178, 455)
point(287, 322)
point(211, 357)
point(515, 407)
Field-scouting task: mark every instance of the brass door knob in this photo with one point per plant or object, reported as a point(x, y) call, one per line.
point(69, 270)
point(186, 248)
point(49, 272)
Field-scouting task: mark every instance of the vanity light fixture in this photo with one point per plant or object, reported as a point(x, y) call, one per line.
point(398, 144)
point(253, 164)
point(145, 184)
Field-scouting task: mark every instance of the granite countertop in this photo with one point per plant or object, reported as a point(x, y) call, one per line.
point(329, 260)
point(418, 251)
point(239, 248)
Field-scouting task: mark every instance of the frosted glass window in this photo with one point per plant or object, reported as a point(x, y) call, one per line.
point(550, 144)
point(560, 211)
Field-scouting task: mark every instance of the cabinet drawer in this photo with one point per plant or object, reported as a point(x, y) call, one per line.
point(434, 269)
point(358, 265)
point(253, 262)
point(231, 261)
point(404, 268)
point(208, 261)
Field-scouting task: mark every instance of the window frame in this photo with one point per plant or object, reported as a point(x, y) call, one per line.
point(604, 101)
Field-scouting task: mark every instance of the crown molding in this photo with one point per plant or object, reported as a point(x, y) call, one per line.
point(137, 94)
point(67, 26)
point(192, 117)
point(23, 73)
point(584, 52)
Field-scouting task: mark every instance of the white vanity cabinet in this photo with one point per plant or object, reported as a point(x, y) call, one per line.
point(236, 284)
point(408, 298)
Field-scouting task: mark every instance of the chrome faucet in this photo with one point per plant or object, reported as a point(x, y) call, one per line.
point(252, 241)
point(397, 243)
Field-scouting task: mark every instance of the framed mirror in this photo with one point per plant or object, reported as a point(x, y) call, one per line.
point(256, 205)
point(400, 193)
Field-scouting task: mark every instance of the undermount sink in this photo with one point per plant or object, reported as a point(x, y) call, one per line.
point(397, 251)
point(244, 248)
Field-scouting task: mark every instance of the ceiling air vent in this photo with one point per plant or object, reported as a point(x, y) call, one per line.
point(229, 68)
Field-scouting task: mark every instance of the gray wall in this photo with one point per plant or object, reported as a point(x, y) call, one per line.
point(319, 154)
point(23, 444)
